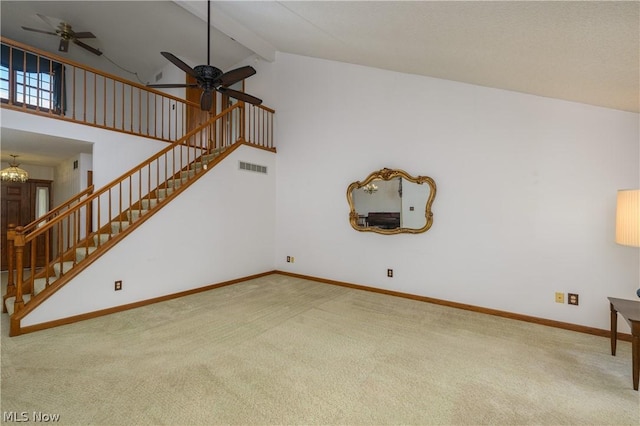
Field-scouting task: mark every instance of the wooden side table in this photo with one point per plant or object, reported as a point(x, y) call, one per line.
point(630, 311)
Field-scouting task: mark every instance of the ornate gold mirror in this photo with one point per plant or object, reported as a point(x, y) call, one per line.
point(392, 202)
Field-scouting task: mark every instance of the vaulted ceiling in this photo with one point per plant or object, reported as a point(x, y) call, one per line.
point(582, 51)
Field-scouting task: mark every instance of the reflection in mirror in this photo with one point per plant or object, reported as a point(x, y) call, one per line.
point(392, 202)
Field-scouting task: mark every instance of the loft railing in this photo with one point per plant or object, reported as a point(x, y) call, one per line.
point(39, 82)
point(116, 209)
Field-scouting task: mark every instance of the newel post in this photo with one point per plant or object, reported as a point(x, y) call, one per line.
point(11, 286)
point(18, 242)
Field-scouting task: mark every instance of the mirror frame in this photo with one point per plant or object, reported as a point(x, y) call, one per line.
point(389, 174)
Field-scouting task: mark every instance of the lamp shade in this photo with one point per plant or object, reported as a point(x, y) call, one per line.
point(628, 217)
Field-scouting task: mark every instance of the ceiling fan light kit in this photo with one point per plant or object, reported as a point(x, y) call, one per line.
point(211, 79)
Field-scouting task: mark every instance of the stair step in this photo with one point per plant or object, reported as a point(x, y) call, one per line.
point(164, 193)
point(118, 226)
point(210, 157)
point(83, 252)
point(187, 174)
point(197, 166)
point(40, 284)
point(149, 203)
point(61, 269)
point(175, 183)
point(134, 215)
point(100, 239)
point(10, 302)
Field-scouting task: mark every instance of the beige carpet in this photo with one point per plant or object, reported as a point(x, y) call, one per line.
point(280, 350)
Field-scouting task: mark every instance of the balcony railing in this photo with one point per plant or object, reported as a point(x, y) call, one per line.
point(39, 82)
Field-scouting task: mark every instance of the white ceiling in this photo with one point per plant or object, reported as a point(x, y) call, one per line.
point(581, 51)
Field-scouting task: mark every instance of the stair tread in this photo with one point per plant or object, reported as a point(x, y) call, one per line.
point(10, 302)
point(64, 268)
point(40, 284)
point(83, 252)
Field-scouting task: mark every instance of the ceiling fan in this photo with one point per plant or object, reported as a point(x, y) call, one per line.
point(211, 79)
point(66, 34)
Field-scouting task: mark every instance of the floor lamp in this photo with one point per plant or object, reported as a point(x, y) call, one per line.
point(628, 219)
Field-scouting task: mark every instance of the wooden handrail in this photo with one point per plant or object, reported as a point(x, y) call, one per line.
point(54, 212)
point(66, 61)
point(89, 96)
point(167, 149)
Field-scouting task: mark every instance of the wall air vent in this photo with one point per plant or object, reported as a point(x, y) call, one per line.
point(253, 167)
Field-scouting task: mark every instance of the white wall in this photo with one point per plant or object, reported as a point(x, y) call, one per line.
point(69, 181)
point(526, 188)
point(220, 228)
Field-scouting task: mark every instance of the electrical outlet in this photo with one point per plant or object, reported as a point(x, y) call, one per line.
point(390, 273)
point(288, 259)
point(559, 297)
point(293, 259)
point(118, 285)
point(572, 299)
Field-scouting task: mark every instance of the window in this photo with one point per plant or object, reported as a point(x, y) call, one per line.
point(34, 88)
point(30, 80)
point(42, 203)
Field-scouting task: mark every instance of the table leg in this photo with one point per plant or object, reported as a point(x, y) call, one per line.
point(635, 353)
point(614, 329)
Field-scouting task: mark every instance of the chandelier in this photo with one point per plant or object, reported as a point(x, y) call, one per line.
point(370, 188)
point(13, 173)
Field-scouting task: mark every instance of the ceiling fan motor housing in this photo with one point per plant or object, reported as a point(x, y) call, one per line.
point(208, 75)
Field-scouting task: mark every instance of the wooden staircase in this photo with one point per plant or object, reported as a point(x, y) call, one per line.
point(114, 211)
point(89, 248)
point(75, 234)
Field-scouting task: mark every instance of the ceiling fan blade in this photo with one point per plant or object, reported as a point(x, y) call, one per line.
point(240, 96)
point(238, 74)
point(178, 63)
point(206, 100)
point(46, 20)
point(64, 45)
point(85, 34)
point(86, 46)
point(169, 86)
point(39, 31)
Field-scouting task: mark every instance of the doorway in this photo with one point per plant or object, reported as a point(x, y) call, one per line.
point(21, 204)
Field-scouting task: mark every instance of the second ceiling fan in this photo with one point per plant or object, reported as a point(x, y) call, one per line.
point(211, 79)
point(66, 34)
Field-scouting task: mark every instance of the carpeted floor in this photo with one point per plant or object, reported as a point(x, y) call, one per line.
point(281, 350)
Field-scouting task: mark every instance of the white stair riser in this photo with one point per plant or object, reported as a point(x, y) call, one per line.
point(40, 284)
point(61, 269)
point(83, 252)
point(148, 204)
point(100, 239)
point(176, 183)
point(134, 215)
point(163, 193)
point(118, 226)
